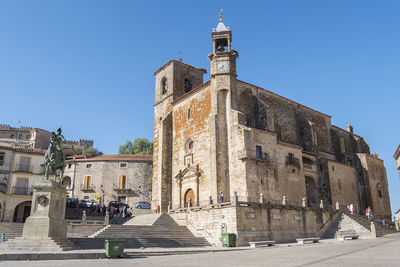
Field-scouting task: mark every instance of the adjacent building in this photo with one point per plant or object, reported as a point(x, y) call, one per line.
point(20, 168)
point(122, 177)
point(397, 158)
point(232, 138)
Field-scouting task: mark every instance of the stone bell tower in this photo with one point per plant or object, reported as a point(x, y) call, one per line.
point(223, 99)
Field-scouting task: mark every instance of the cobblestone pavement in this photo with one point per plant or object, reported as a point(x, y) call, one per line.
point(379, 252)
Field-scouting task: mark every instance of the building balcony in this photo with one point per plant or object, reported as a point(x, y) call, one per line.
point(309, 167)
point(87, 188)
point(23, 191)
point(252, 154)
point(122, 187)
point(25, 168)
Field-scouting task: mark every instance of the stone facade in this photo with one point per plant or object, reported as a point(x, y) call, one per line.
point(114, 177)
point(26, 137)
point(19, 171)
point(226, 135)
point(231, 137)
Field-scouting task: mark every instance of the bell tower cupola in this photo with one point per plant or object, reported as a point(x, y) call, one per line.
point(223, 58)
point(222, 37)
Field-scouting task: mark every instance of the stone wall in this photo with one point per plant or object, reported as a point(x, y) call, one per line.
point(254, 222)
point(377, 185)
point(343, 185)
point(105, 177)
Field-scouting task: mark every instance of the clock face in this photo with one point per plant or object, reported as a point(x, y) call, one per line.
point(222, 66)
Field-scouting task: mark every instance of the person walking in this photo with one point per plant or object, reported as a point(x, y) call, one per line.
point(368, 213)
point(2, 237)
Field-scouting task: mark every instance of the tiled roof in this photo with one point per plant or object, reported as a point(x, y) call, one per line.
point(23, 149)
point(117, 157)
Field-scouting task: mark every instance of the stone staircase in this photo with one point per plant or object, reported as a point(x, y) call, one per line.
point(153, 230)
point(36, 245)
point(359, 223)
point(11, 230)
point(379, 228)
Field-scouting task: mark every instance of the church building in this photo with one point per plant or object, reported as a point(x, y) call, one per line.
point(229, 141)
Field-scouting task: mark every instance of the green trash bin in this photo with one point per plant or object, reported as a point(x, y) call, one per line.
point(228, 240)
point(114, 248)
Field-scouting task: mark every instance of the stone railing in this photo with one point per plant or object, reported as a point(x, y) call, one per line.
point(252, 154)
point(309, 167)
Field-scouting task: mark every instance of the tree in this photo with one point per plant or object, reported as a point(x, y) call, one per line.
point(139, 146)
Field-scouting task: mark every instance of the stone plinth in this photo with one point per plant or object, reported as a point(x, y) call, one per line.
point(47, 219)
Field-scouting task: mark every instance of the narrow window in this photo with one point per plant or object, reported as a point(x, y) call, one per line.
point(2, 158)
point(69, 166)
point(291, 158)
point(259, 153)
point(379, 193)
point(89, 165)
point(187, 85)
point(188, 114)
point(164, 85)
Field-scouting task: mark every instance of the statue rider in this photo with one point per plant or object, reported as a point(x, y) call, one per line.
point(54, 158)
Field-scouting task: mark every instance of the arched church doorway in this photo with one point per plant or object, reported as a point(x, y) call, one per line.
point(66, 181)
point(22, 211)
point(312, 192)
point(189, 196)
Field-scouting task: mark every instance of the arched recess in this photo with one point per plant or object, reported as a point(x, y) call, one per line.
point(312, 192)
point(22, 211)
point(163, 86)
point(379, 190)
point(189, 195)
point(66, 181)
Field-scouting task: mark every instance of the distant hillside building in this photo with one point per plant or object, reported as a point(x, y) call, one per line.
point(27, 137)
point(232, 138)
point(124, 177)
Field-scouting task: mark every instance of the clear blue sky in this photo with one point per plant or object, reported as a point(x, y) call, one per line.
point(97, 57)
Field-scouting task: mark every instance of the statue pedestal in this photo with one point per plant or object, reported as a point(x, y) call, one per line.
point(47, 219)
point(46, 229)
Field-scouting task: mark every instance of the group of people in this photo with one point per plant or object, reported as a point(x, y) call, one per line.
point(118, 212)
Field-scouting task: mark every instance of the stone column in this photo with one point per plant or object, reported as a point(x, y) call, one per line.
point(47, 212)
point(373, 230)
point(107, 218)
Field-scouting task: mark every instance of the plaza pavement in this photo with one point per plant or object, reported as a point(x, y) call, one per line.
point(377, 252)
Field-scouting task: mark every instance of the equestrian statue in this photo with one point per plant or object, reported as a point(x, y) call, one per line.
point(54, 158)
